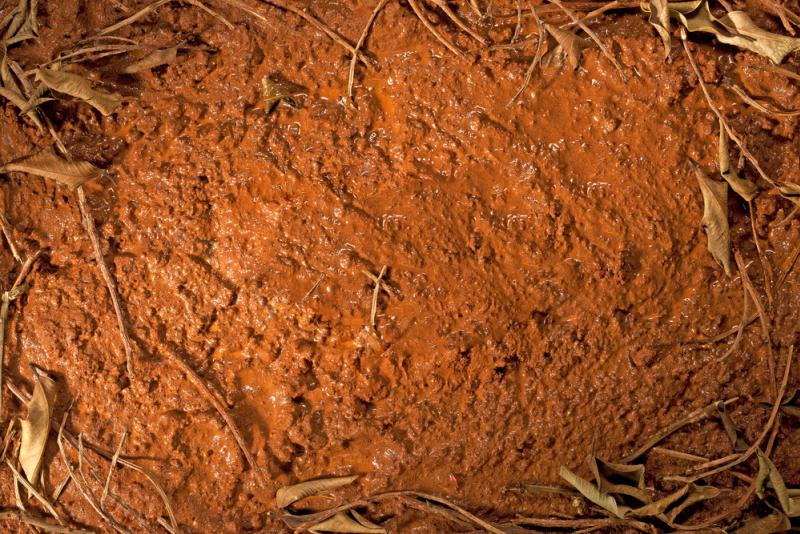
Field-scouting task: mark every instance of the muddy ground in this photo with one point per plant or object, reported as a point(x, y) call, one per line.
point(538, 253)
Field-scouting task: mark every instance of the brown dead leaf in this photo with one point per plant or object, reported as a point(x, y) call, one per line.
point(344, 523)
point(761, 105)
point(156, 58)
point(771, 524)
point(742, 186)
point(660, 506)
point(622, 479)
point(48, 165)
point(767, 471)
point(593, 493)
point(715, 218)
point(290, 494)
point(659, 19)
point(78, 87)
point(695, 494)
point(276, 90)
point(36, 427)
point(566, 44)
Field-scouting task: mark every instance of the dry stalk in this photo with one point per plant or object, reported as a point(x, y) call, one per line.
point(421, 15)
point(9, 238)
point(443, 5)
point(375, 293)
point(27, 519)
point(114, 461)
point(33, 491)
point(536, 58)
point(354, 59)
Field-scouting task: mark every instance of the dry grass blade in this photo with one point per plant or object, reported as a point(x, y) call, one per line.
point(22, 517)
point(163, 56)
point(291, 494)
point(424, 19)
point(680, 455)
point(427, 496)
point(537, 58)
point(761, 315)
point(114, 461)
point(18, 100)
point(91, 230)
point(375, 292)
point(443, 5)
point(743, 187)
point(48, 165)
point(773, 523)
point(32, 491)
point(593, 493)
point(152, 7)
point(790, 505)
point(694, 417)
point(354, 59)
point(606, 52)
point(78, 87)
point(742, 324)
point(761, 105)
point(715, 218)
point(36, 427)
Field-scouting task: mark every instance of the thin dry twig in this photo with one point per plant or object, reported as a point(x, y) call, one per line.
point(205, 390)
point(443, 5)
point(33, 491)
point(762, 317)
point(536, 58)
point(606, 52)
point(354, 59)
point(114, 461)
point(111, 284)
point(6, 226)
point(742, 322)
point(694, 417)
point(155, 5)
point(421, 15)
point(25, 518)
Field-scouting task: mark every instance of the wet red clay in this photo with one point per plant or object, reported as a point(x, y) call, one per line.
point(536, 252)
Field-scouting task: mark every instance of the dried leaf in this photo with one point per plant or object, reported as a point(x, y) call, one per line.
point(624, 479)
point(744, 187)
point(79, 87)
point(567, 43)
point(715, 218)
point(735, 28)
point(695, 495)
point(36, 427)
point(163, 56)
point(593, 493)
point(276, 90)
point(659, 19)
point(766, 469)
point(731, 429)
point(773, 523)
point(660, 506)
point(48, 165)
point(343, 523)
point(290, 494)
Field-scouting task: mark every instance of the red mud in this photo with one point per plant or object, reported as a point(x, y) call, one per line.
point(538, 252)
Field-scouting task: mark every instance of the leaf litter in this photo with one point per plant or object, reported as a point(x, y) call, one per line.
point(49, 165)
point(79, 87)
point(36, 426)
point(715, 218)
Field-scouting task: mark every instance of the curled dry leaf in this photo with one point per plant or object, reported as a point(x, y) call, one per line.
point(593, 493)
point(156, 58)
point(659, 19)
point(694, 495)
point(290, 494)
point(36, 427)
point(743, 187)
point(623, 479)
point(276, 90)
point(563, 43)
point(735, 28)
point(767, 471)
point(344, 523)
point(78, 87)
point(715, 218)
point(771, 524)
point(47, 164)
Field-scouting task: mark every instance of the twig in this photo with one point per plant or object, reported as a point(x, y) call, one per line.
point(91, 230)
point(22, 517)
point(594, 14)
point(762, 317)
point(313, 288)
point(152, 7)
point(204, 389)
point(536, 58)
point(114, 461)
point(9, 238)
point(606, 52)
point(418, 11)
point(354, 59)
point(742, 321)
point(442, 4)
point(375, 293)
point(732, 134)
point(35, 493)
point(695, 416)
point(388, 289)
point(679, 455)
